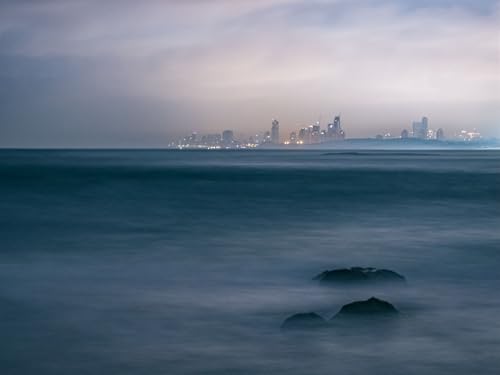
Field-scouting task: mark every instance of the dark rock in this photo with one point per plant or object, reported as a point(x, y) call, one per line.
point(321, 275)
point(372, 307)
point(303, 321)
point(359, 275)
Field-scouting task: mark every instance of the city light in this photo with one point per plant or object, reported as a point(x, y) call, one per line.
point(313, 135)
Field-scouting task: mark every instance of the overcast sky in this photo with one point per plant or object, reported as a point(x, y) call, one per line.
point(137, 73)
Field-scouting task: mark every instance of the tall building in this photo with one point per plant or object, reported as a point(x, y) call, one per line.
point(275, 132)
point(305, 135)
point(404, 134)
point(440, 134)
point(227, 138)
point(267, 137)
point(322, 136)
point(336, 123)
point(335, 129)
point(425, 122)
point(315, 133)
point(421, 128)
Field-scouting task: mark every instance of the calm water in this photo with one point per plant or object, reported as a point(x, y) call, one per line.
point(179, 262)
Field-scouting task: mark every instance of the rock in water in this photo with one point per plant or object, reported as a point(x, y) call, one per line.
point(359, 275)
point(372, 307)
point(303, 321)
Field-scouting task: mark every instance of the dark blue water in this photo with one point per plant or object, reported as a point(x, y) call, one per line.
point(180, 262)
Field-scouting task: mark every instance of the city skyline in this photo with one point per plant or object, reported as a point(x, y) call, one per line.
point(133, 74)
point(331, 135)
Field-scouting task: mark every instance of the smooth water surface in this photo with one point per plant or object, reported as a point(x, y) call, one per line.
point(187, 262)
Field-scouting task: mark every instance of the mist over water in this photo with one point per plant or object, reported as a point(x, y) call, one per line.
point(187, 262)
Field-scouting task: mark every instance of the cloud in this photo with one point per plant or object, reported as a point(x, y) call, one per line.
point(381, 63)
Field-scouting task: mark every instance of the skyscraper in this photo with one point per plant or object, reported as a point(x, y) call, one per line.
point(315, 133)
point(305, 135)
point(335, 129)
point(420, 128)
point(425, 123)
point(267, 137)
point(440, 134)
point(227, 138)
point(275, 132)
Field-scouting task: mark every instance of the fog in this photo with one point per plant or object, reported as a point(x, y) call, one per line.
point(124, 74)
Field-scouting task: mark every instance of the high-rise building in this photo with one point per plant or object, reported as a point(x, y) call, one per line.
point(420, 129)
point(322, 136)
point(335, 129)
point(440, 134)
point(267, 137)
point(330, 130)
point(336, 123)
point(304, 135)
point(315, 133)
point(425, 122)
point(227, 138)
point(275, 132)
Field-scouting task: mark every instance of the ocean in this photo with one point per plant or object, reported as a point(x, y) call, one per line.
point(187, 262)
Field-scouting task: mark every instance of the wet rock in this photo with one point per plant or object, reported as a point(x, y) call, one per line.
point(359, 275)
point(370, 308)
point(304, 321)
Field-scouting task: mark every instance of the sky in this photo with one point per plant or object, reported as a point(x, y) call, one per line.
point(140, 73)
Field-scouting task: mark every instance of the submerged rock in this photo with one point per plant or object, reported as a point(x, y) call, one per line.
point(359, 275)
point(372, 307)
point(304, 321)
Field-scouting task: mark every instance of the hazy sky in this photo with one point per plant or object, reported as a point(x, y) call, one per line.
point(136, 73)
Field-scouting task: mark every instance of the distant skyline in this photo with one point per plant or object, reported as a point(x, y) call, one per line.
point(136, 74)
